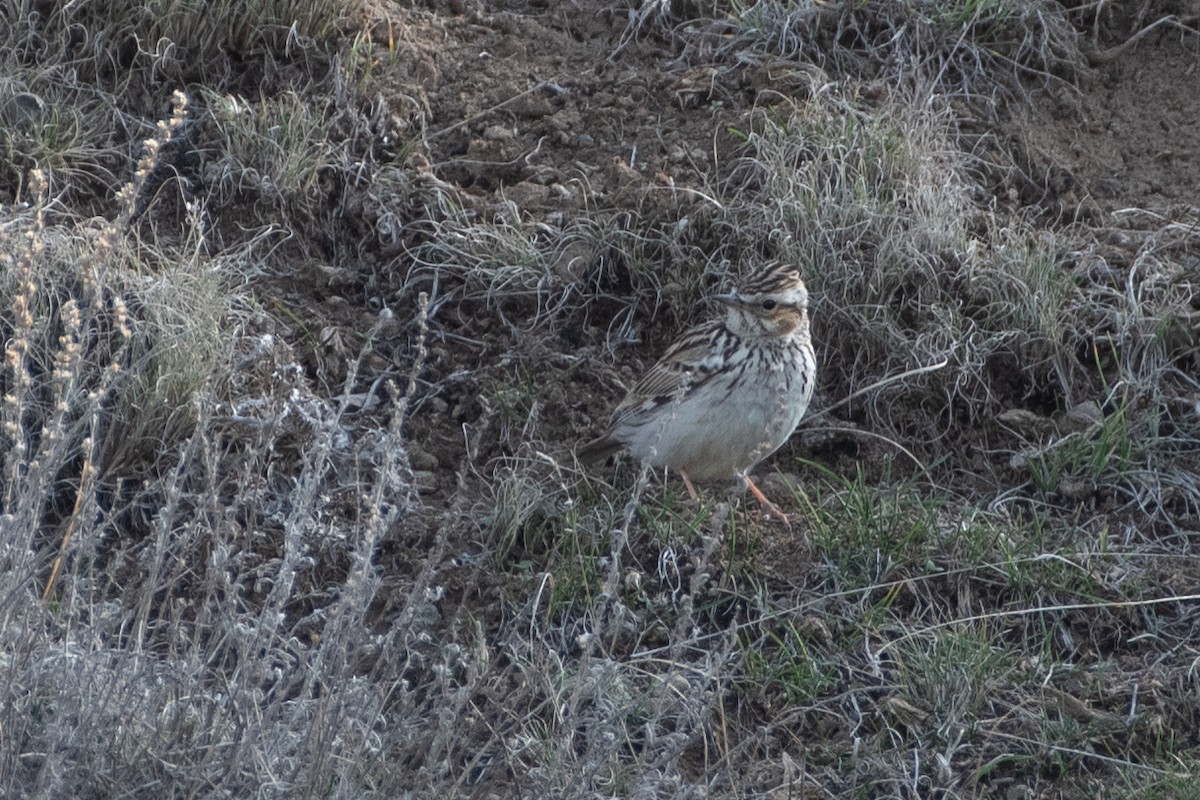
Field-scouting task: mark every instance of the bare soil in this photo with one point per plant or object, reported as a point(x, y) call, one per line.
point(537, 111)
point(1128, 137)
point(541, 111)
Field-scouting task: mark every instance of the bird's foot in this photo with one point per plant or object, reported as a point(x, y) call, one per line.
point(769, 509)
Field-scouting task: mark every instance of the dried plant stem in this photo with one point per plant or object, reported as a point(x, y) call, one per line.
point(85, 488)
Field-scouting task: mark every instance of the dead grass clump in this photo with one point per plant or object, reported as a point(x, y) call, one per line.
point(81, 80)
point(123, 46)
point(971, 50)
point(909, 273)
point(168, 545)
point(875, 205)
point(271, 153)
point(535, 277)
point(1129, 433)
point(45, 128)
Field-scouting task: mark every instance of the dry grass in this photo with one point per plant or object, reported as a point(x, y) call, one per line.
point(261, 540)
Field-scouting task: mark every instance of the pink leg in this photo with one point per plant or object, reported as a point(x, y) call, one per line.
point(769, 509)
point(688, 483)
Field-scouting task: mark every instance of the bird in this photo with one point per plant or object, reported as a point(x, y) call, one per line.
point(727, 393)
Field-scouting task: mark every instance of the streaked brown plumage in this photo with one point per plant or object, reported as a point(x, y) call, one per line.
point(728, 393)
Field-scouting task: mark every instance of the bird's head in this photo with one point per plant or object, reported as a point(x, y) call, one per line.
point(773, 302)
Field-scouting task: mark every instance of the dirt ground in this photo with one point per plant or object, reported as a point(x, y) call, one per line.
point(1129, 139)
point(539, 111)
point(548, 107)
point(551, 106)
point(420, 253)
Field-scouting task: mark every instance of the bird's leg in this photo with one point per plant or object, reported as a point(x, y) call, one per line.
point(769, 509)
point(688, 483)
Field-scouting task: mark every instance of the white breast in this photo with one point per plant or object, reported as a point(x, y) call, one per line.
point(730, 424)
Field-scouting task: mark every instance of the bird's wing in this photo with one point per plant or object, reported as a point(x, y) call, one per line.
point(689, 362)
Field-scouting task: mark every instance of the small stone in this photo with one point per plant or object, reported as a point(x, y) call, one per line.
point(422, 459)
point(1083, 416)
point(1076, 489)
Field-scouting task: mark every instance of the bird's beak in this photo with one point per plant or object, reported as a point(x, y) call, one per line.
point(728, 299)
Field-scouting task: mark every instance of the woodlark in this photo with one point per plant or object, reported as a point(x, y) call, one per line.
point(728, 393)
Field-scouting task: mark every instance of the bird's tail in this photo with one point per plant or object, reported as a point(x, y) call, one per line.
point(598, 449)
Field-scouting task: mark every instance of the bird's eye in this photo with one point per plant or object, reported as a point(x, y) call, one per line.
point(769, 305)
